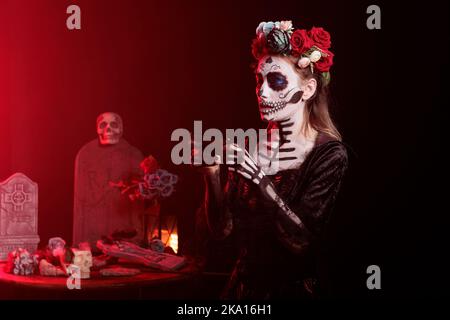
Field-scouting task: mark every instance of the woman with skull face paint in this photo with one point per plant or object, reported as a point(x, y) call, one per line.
point(276, 205)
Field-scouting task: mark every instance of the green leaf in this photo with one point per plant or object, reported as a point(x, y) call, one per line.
point(327, 77)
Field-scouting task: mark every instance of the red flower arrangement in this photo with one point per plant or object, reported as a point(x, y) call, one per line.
point(259, 48)
point(325, 63)
point(320, 38)
point(300, 42)
point(311, 47)
point(155, 183)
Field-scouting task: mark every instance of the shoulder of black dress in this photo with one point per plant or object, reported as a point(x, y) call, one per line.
point(332, 149)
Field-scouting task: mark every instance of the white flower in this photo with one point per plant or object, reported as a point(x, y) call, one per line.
point(315, 56)
point(286, 25)
point(260, 28)
point(303, 62)
point(267, 27)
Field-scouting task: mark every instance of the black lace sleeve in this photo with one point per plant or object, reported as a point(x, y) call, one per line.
point(313, 196)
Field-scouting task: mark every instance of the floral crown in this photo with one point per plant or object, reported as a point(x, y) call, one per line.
point(311, 47)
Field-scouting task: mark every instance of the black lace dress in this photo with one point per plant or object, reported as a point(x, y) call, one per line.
point(270, 266)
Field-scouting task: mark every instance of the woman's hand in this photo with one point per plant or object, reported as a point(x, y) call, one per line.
point(206, 169)
point(240, 161)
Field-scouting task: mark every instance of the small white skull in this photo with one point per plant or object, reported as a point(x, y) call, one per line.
point(83, 259)
point(56, 246)
point(109, 128)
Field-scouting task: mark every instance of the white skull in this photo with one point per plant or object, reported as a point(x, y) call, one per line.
point(109, 128)
point(83, 259)
point(278, 88)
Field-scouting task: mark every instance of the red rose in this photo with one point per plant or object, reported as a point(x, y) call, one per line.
point(325, 62)
point(300, 42)
point(320, 37)
point(259, 48)
point(149, 165)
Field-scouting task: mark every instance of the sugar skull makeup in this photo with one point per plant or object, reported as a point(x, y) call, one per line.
point(277, 88)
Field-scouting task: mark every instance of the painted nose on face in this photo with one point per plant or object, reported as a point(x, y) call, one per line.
point(262, 91)
point(261, 94)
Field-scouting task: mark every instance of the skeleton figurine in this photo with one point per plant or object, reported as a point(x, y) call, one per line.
point(98, 208)
point(109, 128)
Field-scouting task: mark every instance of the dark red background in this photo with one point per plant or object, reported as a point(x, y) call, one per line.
point(162, 66)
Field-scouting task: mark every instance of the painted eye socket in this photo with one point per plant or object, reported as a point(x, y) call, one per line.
point(277, 81)
point(102, 125)
point(114, 125)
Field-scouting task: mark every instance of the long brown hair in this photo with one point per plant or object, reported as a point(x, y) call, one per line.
point(316, 113)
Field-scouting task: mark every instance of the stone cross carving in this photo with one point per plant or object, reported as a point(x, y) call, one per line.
point(18, 214)
point(18, 197)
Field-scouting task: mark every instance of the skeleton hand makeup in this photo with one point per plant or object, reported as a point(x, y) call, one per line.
point(109, 128)
point(249, 169)
point(243, 163)
point(277, 88)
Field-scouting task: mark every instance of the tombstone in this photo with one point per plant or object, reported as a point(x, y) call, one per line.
point(99, 208)
point(18, 214)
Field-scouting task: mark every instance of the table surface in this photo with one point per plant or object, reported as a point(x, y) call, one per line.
point(147, 277)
